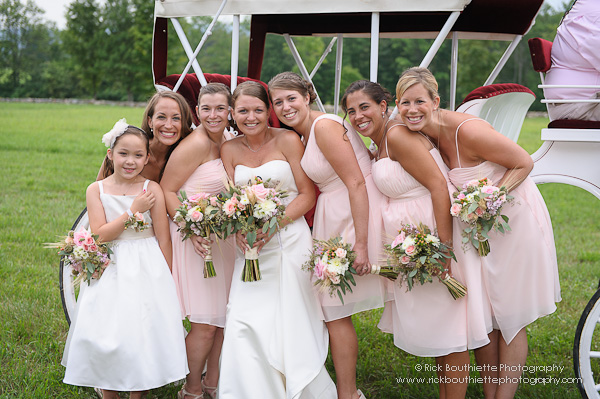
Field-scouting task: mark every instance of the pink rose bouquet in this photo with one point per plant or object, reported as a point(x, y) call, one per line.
point(418, 254)
point(331, 262)
point(87, 256)
point(256, 206)
point(201, 215)
point(479, 204)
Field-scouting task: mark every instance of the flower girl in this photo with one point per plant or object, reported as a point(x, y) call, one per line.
point(126, 334)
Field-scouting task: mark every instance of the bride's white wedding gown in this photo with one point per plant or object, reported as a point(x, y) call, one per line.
point(275, 342)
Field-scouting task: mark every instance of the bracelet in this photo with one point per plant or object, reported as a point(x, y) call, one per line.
point(129, 213)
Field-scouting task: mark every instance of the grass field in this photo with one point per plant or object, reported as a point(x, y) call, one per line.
point(49, 153)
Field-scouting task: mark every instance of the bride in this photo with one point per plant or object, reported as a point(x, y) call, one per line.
point(275, 341)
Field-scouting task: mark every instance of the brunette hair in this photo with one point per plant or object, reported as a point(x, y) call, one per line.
point(374, 90)
point(186, 118)
point(293, 81)
point(109, 167)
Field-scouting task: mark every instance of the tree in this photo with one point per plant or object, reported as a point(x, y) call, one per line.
point(83, 41)
point(23, 39)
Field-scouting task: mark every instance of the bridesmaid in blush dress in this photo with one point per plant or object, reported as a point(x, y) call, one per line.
point(425, 321)
point(275, 342)
point(349, 205)
point(517, 282)
point(195, 166)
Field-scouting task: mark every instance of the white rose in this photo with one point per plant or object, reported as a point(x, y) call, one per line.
point(408, 241)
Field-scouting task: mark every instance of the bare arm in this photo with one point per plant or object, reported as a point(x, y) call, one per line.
point(478, 141)
point(408, 149)
point(337, 149)
point(292, 148)
point(189, 154)
point(160, 223)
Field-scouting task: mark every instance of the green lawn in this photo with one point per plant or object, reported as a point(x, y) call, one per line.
point(49, 153)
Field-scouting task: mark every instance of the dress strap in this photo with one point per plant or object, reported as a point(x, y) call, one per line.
point(101, 187)
point(386, 137)
point(456, 137)
point(146, 184)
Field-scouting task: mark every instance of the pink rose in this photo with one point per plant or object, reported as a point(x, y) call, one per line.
point(340, 253)
point(489, 189)
point(479, 212)
point(404, 259)
point(455, 209)
point(471, 183)
point(260, 191)
point(139, 217)
point(93, 248)
point(229, 207)
point(83, 237)
point(410, 250)
point(461, 196)
point(398, 240)
point(335, 279)
point(196, 216)
point(213, 201)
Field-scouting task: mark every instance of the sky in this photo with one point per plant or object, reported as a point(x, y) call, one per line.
point(55, 9)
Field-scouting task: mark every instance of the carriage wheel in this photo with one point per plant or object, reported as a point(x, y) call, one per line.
point(586, 350)
point(67, 289)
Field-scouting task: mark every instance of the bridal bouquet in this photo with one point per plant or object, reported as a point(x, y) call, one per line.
point(252, 208)
point(331, 262)
point(418, 253)
point(201, 215)
point(479, 204)
point(87, 256)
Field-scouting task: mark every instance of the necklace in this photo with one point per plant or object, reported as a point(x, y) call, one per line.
point(258, 149)
point(128, 188)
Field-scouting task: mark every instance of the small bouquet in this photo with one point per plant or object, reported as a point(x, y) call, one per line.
point(418, 254)
point(331, 262)
point(136, 222)
point(249, 209)
point(479, 204)
point(200, 214)
point(87, 256)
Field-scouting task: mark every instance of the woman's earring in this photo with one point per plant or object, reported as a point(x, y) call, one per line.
point(383, 114)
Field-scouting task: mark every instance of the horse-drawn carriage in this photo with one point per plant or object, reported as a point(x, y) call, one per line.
point(568, 154)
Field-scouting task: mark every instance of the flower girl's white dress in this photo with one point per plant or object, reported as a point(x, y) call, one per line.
point(126, 334)
point(276, 341)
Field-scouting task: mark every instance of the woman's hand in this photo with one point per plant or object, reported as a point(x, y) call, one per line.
point(261, 240)
point(361, 263)
point(201, 245)
point(143, 202)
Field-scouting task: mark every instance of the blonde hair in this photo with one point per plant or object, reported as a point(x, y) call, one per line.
point(416, 75)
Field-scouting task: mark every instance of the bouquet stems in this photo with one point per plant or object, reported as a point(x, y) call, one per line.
point(209, 267)
point(483, 248)
point(389, 272)
point(251, 270)
point(456, 289)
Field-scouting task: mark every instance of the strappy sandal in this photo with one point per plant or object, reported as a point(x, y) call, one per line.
point(361, 395)
point(183, 394)
point(213, 390)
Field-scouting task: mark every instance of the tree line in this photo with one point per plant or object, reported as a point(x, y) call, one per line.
point(104, 52)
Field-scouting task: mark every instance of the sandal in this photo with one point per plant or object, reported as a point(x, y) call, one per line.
point(183, 394)
point(213, 390)
point(361, 395)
